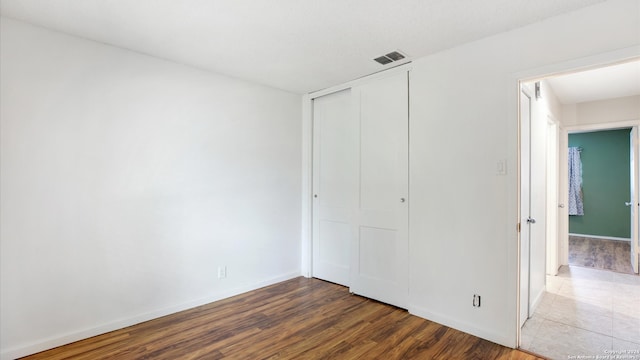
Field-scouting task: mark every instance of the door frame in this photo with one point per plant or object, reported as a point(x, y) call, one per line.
point(634, 165)
point(563, 243)
point(515, 142)
point(524, 250)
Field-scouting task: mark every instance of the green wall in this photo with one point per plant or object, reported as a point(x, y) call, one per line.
point(605, 183)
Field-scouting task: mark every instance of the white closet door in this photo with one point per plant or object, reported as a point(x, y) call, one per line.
point(379, 265)
point(334, 182)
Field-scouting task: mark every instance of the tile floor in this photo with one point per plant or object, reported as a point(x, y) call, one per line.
point(586, 314)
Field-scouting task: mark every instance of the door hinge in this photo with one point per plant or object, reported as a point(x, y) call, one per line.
point(518, 227)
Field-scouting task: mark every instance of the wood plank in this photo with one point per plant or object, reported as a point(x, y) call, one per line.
point(296, 319)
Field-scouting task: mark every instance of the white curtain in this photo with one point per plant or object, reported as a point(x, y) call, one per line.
point(576, 206)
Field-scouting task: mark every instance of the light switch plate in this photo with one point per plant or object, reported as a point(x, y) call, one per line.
point(501, 167)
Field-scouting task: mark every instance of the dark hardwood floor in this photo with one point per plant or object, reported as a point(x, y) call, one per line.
point(296, 319)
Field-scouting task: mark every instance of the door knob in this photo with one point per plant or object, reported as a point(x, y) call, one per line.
point(403, 199)
point(531, 220)
point(561, 206)
point(628, 203)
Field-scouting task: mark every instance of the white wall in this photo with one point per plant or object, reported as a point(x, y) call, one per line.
point(463, 215)
point(602, 111)
point(127, 180)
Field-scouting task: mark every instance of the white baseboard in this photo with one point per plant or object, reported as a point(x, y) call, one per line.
point(502, 339)
point(601, 237)
point(537, 300)
point(59, 340)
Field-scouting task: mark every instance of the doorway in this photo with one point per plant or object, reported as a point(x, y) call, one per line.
point(559, 309)
point(600, 232)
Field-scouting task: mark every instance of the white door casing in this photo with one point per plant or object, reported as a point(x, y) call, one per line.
point(379, 252)
point(525, 199)
point(563, 193)
point(634, 202)
point(334, 182)
point(563, 249)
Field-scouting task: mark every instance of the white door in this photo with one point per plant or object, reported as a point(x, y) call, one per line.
point(334, 182)
point(537, 203)
point(525, 200)
point(380, 248)
point(633, 204)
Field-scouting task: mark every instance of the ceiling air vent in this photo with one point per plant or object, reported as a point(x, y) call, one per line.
point(389, 58)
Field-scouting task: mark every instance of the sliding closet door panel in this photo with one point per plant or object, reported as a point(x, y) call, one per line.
point(378, 253)
point(334, 182)
point(379, 166)
point(380, 248)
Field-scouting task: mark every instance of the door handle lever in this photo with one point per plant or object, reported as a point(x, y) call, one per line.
point(628, 203)
point(531, 220)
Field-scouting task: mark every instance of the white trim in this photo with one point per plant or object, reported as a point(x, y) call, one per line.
point(619, 56)
point(512, 86)
point(306, 248)
point(59, 340)
point(362, 80)
point(563, 182)
point(537, 301)
point(527, 90)
point(574, 129)
point(601, 237)
point(463, 326)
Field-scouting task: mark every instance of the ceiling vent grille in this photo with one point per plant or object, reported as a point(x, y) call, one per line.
point(389, 58)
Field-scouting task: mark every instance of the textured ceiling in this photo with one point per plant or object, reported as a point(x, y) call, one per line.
point(295, 45)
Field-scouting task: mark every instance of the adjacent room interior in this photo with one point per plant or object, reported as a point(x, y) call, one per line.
point(600, 237)
point(253, 164)
point(580, 270)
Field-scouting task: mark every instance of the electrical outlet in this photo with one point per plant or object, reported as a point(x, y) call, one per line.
point(222, 272)
point(477, 300)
